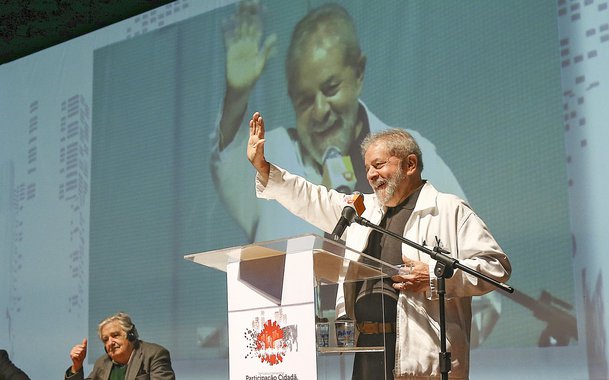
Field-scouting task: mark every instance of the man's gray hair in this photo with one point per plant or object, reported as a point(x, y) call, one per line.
point(398, 142)
point(124, 321)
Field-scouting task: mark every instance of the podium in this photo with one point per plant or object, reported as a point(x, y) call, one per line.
point(280, 323)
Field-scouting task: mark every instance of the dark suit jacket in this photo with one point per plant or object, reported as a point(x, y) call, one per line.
point(149, 362)
point(9, 371)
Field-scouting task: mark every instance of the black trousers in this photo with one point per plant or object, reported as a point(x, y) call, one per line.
point(371, 365)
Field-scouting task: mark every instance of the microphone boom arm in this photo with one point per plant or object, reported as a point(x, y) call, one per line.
point(440, 255)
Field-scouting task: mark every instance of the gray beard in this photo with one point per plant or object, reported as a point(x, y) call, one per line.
point(385, 196)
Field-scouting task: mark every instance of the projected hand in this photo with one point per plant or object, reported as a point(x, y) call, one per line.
point(78, 354)
point(255, 147)
point(245, 57)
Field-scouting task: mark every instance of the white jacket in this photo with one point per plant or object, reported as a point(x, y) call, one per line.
point(436, 215)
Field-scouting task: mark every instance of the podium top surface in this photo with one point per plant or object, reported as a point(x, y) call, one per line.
point(332, 261)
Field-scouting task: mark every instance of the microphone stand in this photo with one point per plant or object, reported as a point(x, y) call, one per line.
point(445, 266)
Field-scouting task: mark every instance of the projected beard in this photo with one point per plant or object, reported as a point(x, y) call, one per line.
point(392, 182)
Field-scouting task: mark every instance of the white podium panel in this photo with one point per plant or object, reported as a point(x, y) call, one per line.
point(278, 292)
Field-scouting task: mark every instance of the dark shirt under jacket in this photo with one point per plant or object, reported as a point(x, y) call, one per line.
point(376, 298)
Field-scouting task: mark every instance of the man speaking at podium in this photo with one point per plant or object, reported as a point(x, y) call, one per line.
point(404, 203)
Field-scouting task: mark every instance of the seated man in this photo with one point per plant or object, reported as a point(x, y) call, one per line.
point(127, 357)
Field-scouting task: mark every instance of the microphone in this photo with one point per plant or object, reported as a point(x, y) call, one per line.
point(355, 207)
point(338, 171)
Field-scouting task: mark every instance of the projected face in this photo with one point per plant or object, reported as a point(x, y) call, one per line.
point(386, 175)
point(325, 97)
point(115, 341)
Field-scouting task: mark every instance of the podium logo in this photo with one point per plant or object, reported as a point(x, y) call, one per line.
point(271, 342)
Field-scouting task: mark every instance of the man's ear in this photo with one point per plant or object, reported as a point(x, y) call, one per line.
point(361, 67)
point(412, 163)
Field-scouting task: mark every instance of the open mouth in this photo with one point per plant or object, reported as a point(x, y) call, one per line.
point(379, 185)
point(329, 131)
